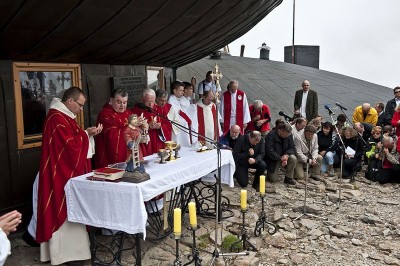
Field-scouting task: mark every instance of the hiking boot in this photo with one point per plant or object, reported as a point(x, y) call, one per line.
point(289, 181)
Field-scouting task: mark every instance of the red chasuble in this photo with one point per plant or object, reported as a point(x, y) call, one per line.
point(64, 151)
point(228, 107)
point(166, 126)
point(202, 126)
point(155, 142)
point(110, 143)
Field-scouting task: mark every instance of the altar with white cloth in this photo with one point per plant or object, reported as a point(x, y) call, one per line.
point(120, 206)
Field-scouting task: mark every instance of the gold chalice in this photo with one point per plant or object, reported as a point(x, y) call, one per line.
point(163, 153)
point(170, 145)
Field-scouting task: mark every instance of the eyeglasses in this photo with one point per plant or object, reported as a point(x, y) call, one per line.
point(80, 105)
point(396, 91)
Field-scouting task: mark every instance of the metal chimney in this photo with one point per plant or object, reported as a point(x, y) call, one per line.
point(264, 51)
point(242, 50)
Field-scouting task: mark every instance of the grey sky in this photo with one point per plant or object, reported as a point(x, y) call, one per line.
point(357, 38)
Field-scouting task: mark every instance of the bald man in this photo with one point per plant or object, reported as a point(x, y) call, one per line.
point(365, 114)
point(229, 138)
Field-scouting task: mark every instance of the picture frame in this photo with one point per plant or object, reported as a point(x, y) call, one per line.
point(35, 86)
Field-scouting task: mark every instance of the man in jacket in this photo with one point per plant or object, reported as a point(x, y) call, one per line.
point(248, 153)
point(391, 105)
point(307, 153)
point(306, 102)
point(279, 152)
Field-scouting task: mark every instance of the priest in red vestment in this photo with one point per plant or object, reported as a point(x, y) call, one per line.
point(206, 115)
point(234, 107)
point(149, 110)
point(66, 150)
point(110, 144)
point(260, 117)
point(166, 111)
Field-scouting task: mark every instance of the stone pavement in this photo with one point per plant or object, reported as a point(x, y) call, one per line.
point(365, 230)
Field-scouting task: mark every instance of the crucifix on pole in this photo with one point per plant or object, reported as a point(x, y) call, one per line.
point(216, 75)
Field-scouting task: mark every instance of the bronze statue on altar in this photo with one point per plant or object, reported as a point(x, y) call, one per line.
point(134, 134)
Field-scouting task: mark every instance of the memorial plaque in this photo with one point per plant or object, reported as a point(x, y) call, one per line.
point(134, 85)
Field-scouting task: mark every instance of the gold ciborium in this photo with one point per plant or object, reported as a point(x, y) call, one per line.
point(171, 146)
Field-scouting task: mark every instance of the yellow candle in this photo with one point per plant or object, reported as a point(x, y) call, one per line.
point(262, 183)
point(192, 214)
point(177, 221)
point(243, 199)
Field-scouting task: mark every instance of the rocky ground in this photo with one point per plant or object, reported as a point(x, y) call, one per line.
point(364, 230)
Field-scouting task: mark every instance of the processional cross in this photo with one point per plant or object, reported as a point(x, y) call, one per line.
point(216, 75)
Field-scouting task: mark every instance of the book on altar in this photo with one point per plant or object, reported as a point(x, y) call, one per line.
point(107, 174)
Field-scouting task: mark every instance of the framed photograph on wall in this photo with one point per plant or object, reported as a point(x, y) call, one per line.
point(35, 86)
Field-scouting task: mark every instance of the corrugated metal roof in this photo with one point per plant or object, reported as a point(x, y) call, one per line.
point(275, 83)
point(157, 32)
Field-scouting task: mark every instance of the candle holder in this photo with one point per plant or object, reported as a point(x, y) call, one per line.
point(194, 257)
point(177, 149)
point(262, 221)
point(243, 238)
point(177, 261)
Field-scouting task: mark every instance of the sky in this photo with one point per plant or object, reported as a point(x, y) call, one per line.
point(357, 38)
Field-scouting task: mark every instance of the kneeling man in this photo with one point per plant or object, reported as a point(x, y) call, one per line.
point(249, 153)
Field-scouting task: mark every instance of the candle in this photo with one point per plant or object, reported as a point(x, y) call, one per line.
point(177, 221)
point(243, 199)
point(262, 183)
point(192, 214)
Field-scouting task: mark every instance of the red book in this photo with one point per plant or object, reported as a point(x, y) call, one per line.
point(107, 174)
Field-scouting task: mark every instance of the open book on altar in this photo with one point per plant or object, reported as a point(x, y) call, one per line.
point(107, 174)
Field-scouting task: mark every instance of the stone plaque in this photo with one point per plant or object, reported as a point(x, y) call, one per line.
point(134, 85)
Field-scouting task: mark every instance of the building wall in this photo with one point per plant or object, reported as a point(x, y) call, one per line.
point(304, 55)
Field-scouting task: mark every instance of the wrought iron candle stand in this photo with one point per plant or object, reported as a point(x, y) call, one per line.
point(194, 257)
point(243, 238)
point(177, 261)
point(262, 220)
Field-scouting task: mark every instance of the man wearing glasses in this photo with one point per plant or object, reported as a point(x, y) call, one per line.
point(66, 153)
point(391, 105)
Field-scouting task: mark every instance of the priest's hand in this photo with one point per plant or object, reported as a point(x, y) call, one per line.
point(10, 221)
point(154, 125)
point(93, 131)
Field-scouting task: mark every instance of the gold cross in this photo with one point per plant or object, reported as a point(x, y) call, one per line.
point(216, 75)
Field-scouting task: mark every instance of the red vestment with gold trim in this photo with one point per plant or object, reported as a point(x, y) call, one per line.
point(110, 143)
point(64, 155)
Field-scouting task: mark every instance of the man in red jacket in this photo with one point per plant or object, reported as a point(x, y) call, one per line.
point(260, 117)
point(110, 144)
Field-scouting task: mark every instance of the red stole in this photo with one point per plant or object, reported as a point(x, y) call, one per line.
point(201, 124)
point(110, 143)
point(166, 126)
point(228, 107)
point(155, 142)
point(188, 121)
point(64, 151)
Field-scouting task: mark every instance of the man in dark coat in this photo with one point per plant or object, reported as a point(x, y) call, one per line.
point(391, 105)
point(279, 152)
point(229, 139)
point(307, 108)
point(248, 153)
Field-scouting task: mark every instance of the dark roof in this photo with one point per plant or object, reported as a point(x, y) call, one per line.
point(147, 32)
point(275, 83)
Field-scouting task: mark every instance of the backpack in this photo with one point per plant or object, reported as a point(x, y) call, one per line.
point(373, 170)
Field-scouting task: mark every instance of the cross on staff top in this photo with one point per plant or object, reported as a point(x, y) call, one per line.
point(216, 75)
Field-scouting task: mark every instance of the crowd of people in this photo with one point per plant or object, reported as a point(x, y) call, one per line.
point(306, 145)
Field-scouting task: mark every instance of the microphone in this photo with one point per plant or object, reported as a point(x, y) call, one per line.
point(281, 113)
point(341, 106)
point(329, 110)
point(145, 107)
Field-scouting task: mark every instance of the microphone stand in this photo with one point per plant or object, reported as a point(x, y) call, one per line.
point(304, 212)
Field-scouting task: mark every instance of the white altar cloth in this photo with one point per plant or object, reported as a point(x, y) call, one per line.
point(120, 206)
